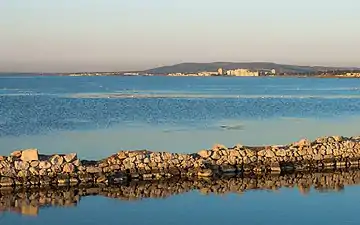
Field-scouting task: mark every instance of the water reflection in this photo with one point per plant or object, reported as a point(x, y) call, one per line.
point(30, 202)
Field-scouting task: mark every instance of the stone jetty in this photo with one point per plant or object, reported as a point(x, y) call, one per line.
point(28, 168)
point(30, 201)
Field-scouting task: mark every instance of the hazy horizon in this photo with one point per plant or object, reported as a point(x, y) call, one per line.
point(119, 35)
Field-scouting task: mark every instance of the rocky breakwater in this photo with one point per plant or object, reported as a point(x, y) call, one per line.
point(325, 153)
point(28, 168)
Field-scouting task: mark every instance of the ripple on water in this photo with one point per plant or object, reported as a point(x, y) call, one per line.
point(34, 114)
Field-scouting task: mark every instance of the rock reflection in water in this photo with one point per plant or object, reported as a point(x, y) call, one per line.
point(29, 202)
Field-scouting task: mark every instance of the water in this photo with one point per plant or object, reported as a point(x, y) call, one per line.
point(285, 207)
point(97, 116)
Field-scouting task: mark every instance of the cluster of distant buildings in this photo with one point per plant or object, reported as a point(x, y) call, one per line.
point(239, 72)
point(352, 74)
point(235, 72)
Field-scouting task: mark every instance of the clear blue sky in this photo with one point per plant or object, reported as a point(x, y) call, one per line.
point(75, 35)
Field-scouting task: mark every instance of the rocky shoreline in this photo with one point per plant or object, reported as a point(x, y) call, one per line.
point(28, 168)
point(30, 201)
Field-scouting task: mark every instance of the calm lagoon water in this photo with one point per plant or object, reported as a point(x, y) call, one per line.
point(97, 116)
point(258, 207)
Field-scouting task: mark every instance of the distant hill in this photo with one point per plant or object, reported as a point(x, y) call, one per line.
point(199, 67)
point(18, 74)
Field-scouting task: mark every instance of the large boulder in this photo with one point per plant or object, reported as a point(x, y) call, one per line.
point(30, 155)
point(218, 147)
point(69, 168)
point(204, 154)
point(44, 165)
point(269, 153)
point(70, 157)
point(280, 152)
point(303, 142)
point(21, 165)
point(122, 155)
point(16, 154)
point(34, 171)
point(338, 138)
point(216, 155)
point(57, 160)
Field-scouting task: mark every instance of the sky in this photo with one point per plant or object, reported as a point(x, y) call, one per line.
point(119, 35)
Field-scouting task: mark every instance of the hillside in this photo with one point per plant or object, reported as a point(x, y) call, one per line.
point(198, 67)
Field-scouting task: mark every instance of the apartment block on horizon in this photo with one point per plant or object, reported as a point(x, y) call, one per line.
point(242, 73)
point(353, 74)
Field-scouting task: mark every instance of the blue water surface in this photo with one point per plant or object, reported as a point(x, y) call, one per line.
point(33, 110)
point(258, 207)
point(33, 105)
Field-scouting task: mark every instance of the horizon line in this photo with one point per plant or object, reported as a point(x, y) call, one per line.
point(186, 62)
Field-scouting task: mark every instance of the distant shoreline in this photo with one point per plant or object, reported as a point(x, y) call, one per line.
point(159, 75)
point(215, 69)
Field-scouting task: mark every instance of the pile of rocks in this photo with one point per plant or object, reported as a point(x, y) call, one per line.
point(323, 153)
point(28, 168)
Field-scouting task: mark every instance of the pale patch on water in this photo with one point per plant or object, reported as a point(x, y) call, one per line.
point(295, 119)
point(185, 95)
point(28, 93)
point(321, 89)
point(76, 120)
point(103, 142)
